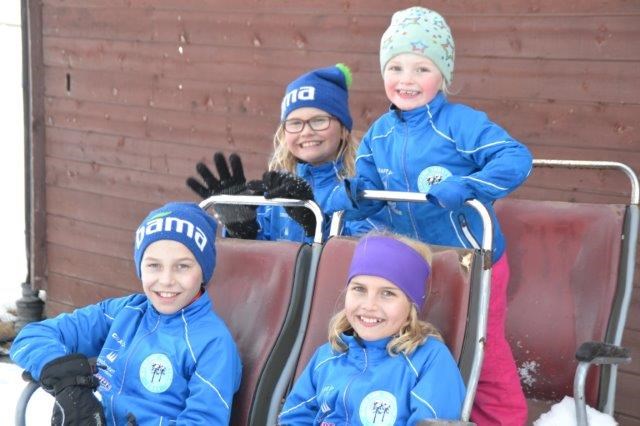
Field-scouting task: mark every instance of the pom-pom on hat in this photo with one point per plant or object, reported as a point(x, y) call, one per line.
point(186, 223)
point(324, 88)
point(395, 261)
point(423, 32)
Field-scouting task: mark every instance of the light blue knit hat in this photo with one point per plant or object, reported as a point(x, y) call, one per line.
point(421, 31)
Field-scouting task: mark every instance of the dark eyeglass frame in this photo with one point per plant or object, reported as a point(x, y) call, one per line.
point(313, 127)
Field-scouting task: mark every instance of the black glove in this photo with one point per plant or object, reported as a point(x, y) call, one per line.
point(287, 185)
point(131, 420)
point(240, 221)
point(71, 381)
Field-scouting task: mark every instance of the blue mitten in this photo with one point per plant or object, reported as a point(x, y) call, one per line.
point(450, 194)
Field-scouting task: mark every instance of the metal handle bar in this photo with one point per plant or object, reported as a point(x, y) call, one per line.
point(487, 234)
point(485, 277)
point(257, 200)
point(579, 164)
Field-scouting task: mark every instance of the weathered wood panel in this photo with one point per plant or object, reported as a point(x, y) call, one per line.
point(627, 395)
point(115, 274)
point(136, 92)
point(367, 7)
point(632, 341)
point(124, 152)
point(577, 35)
point(73, 292)
point(90, 237)
point(115, 212)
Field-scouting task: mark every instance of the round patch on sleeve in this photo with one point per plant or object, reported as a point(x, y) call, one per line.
point(156, 373)
point(431, 176)
point(379, 408)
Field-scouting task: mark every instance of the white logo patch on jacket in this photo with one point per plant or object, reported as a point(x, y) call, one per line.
point(156, 373)
point(431, 176)
point(378, 408)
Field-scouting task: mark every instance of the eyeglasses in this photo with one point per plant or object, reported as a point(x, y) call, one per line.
point(317, 123)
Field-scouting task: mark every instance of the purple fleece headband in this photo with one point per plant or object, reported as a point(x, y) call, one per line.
point(395, 261)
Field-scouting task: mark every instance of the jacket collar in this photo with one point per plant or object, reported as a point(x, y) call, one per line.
point(201, 306)
point(325, 173)
point(421, 113)
point(371, 350)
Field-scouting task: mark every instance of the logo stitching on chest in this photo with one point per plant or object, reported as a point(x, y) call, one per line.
point(156, 373)
point(378, 408)
point(431, 176)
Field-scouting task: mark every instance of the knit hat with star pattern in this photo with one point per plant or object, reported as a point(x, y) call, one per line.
point(421, 31)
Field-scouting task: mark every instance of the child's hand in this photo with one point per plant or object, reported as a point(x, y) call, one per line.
point(240, 220)
point(288, 185)
point(71, 381)
point(450, 194)
point(228, 184)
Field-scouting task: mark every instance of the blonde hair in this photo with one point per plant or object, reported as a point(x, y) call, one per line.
point(282, 158)
point(412, 333)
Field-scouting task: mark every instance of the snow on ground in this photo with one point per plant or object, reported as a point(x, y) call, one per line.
point(11, 385)
point(13, 261)
point(563, 413)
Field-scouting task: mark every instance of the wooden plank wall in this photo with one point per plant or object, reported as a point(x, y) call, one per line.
point(135, 92)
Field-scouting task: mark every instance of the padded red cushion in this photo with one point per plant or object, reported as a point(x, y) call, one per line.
point(251, 289)
point(564, 265)
point(446, 307)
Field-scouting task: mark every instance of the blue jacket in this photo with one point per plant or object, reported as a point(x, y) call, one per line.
point(165, 369)
point(413, 150)
point(276, 224)
point(366, 386)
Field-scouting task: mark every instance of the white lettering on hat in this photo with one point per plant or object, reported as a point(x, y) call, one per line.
point(304, 93)
point(172, 224)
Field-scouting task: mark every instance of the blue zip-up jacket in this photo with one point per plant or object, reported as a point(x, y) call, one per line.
point(366, 386)
point(276, 224)
point(165, 369)
point(413, 150)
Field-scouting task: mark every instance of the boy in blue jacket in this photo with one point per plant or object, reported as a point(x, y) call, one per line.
point(163, 357)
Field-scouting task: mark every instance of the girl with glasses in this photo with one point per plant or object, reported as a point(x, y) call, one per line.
point(313, 150)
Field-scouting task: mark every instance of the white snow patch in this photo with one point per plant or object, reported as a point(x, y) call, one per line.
point(527, 372)
point(564, 414)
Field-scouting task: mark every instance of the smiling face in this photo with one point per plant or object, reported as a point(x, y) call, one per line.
point(411, 81)
point(171, 275)
point(313, 146)
point(375, 307)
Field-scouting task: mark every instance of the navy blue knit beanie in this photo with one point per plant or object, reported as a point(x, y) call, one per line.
point(324, 88)
point(186, 223)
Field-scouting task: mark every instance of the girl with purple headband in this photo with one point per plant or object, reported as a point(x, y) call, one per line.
point(382, 364)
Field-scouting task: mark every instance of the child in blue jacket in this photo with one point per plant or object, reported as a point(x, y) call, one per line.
point(314, 151)
point(452, 153)
point(382, 365)
point(163, 357)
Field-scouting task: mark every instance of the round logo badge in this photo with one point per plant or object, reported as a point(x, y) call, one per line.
point(379, 408)
point(431, 176)
point(156, 373)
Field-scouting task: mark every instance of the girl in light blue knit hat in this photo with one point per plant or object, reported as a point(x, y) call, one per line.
point(452, 153)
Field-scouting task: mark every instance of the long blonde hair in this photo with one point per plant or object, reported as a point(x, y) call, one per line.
point(412, 333)
point(282, 158)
